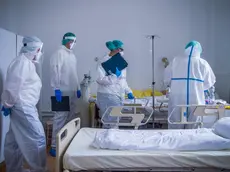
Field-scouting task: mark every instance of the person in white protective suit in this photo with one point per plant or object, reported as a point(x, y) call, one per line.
point(25, 139)
point(111, 88)
point(189, 77)
point(166, 75)
point(64, 81)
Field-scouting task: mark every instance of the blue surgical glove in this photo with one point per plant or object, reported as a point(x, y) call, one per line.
point(118, 73)
point(130, 96)
point(58, 95)
point(78, 93)
point(53, 152)
point(6, 111)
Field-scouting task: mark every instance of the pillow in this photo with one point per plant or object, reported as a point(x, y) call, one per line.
point(222, 127)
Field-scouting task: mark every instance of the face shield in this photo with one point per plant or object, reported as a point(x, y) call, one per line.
point(121, 51)
point(39, 55)
point(31, 50)
point(72, 41)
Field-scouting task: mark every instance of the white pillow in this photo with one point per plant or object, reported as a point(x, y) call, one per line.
point(222, 127)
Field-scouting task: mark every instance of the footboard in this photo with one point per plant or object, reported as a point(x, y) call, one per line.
point(63, 140)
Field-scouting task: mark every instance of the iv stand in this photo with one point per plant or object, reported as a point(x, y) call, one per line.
point(151, 37)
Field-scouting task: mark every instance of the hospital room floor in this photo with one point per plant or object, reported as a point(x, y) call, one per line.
point(50, 164)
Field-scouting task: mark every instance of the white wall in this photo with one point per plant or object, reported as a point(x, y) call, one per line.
point(222, 47)
point(95, 22)
point(7, 54)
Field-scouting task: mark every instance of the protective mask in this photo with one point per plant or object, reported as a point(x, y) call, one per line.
point(122, 53)
point(72, 46)
point(38, 57)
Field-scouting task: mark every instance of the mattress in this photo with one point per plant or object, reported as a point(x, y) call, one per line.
point(81, 156)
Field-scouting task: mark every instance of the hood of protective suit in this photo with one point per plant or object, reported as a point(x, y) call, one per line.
point(30, 48)
point(195, 47)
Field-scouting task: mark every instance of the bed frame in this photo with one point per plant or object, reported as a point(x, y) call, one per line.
point(68, 132)
point(135, 113)
point(198, 110)
point(63, 140)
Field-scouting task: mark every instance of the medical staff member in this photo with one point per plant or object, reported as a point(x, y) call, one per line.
point(112, 88)
point(25, 138)
point(64, 81)
point(166, 74)
point(190, 76)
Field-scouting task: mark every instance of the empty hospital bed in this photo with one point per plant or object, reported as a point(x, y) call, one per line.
point(75, 153)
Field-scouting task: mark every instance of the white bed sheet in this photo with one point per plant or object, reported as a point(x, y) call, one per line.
point(80, 156)
point(148, 101)
point(143, 101)
point(152, 140)
point(157, 101)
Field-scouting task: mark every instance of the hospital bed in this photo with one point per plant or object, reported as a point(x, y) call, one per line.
point(161, 105)
point(160, 118)
point(75, 153)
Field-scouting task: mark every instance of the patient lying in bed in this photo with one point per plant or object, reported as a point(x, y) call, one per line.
point(216, 138)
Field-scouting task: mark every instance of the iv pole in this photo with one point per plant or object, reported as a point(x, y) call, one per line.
point(151, 37)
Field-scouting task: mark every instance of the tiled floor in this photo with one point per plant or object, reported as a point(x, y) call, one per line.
point(50, 164)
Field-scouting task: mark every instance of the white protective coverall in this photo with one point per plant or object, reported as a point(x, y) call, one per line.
point(167, 74)
point(190, 75)
point(25, 138)
point(64, 77)
point(111, 90)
